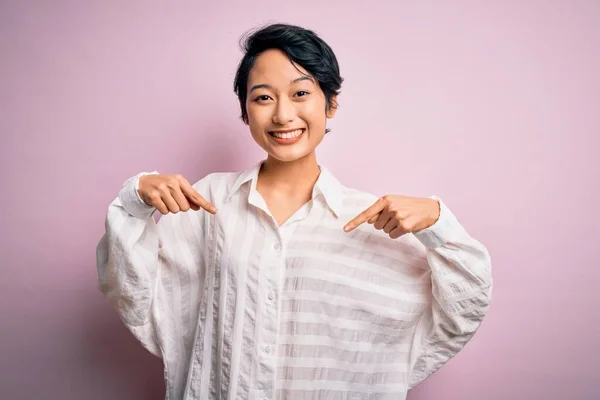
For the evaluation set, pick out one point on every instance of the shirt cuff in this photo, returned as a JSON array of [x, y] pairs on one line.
[[131, 200], [445, 230]]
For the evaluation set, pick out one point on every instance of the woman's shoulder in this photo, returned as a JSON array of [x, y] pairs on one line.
[[217, 178], [353, 198], [216, 184]]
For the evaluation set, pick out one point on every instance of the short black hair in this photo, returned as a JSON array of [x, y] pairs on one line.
[[302, 46]]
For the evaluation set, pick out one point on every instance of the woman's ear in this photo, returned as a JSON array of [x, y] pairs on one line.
[[332, 107]]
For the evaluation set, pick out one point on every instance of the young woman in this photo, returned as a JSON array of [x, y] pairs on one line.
[[280, 282]]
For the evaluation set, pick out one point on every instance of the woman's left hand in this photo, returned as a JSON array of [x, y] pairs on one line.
[[398, 215]]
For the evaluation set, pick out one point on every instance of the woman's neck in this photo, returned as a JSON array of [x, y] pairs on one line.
[[295, 178]]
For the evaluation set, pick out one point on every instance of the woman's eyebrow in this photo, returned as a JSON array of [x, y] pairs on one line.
[[265, 86], [260, 86], [303, 78]]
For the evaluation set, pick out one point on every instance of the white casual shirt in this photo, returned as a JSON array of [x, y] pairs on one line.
[[239, 308]]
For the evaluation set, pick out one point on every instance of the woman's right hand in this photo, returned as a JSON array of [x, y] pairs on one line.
[[171, 194]]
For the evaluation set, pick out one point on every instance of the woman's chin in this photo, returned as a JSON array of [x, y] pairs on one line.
[[289, 154]]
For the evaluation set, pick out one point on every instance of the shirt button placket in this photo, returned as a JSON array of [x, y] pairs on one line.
[[265, 386]]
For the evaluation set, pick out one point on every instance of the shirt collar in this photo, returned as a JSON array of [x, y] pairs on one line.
[[331, 189], [327, 185], [245, 176]]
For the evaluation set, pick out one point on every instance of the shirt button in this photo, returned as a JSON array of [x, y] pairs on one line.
[[267, 349], [277, 246], [271, 296]]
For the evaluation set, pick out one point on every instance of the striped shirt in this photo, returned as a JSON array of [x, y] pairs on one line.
[[238, 307]]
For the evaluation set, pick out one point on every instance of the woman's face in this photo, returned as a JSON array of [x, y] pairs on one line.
[[286, 108]]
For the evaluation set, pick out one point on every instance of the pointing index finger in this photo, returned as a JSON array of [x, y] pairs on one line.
[[364, 216], [194, 196]]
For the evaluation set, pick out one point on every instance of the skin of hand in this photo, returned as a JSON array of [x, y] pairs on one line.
[[398, 215], [172, 194]]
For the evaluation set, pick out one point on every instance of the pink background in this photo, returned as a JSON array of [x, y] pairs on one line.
[[494, 106]]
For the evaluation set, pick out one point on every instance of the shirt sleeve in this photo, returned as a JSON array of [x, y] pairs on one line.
[[133, 252], [461, 285]]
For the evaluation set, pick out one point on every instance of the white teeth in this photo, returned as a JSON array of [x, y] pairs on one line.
[[288, 135]]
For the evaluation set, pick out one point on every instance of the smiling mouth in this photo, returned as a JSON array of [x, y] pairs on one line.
[[287, 134]]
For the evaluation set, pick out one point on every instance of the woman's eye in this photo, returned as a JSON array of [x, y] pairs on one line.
[[301, 93], [264, 97]]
